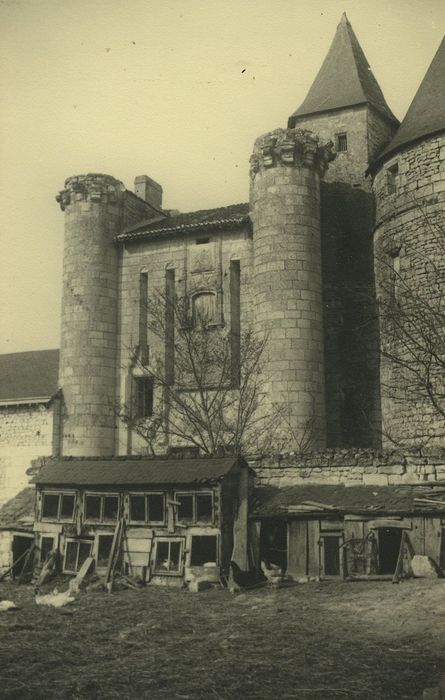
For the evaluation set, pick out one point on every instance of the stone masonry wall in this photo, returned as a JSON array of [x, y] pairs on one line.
[[26, 432], [197, 265], [410, 279], [351, 467]]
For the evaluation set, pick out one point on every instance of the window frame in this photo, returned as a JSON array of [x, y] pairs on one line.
[[341, 138], [163, 572], [214, 322], [217, 547], [102, 496], [44, 536], [147, 521], [195, 521], [58, 518], [392, 178], [144, 402], [78, 542]]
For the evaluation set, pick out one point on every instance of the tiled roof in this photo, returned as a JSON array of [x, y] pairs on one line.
[[233, 216], [18, 513], [344, 79], [345, 499], [28, 375], [121, 471], [426, 114]]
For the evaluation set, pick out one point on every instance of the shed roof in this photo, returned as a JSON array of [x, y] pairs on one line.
[[18, 513], [29, 376], [232, 216], [343, 499], [426, 114], [344, 79], [121, 471]]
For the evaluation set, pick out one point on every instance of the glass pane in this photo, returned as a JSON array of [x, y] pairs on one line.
[[103, 550], [92, 510], [185, 510], [71, 551], [111, 507], [46, 546], [204, 510], [162, 558], [137, 508], [67, 508], [156, 507], [84, 552], [175, 551], [50, 508], [203, 550]]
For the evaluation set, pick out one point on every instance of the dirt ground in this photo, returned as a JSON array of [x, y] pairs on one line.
[[323, 640]]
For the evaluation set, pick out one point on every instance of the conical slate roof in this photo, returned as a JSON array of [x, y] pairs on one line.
[[344, 79], [426, 114]]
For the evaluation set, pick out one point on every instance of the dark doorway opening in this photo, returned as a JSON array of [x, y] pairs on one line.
[[273, 543], [331, 555], [20, 545], [389, 547]]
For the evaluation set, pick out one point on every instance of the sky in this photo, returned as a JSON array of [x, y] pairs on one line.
[[174, 89]]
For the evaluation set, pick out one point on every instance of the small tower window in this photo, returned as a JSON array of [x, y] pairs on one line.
[[341, 142], [391, 178], [204, 309], [144, 397]]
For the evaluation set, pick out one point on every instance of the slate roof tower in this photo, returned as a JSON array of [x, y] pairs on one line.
[[409, 185]]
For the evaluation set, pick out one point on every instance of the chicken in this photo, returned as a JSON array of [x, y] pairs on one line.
[[243, 579], [273, 573], [7, 605]]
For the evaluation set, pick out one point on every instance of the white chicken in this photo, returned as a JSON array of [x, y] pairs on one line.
[[273, 573], [7, 605]]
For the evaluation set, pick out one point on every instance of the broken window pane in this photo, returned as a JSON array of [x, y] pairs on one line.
[[50, 507], [71, 551], [203, 550], [162, 556], [67, 507], [137, 508], [175, 551], [185, 510], [204, 508], [92, 508], [46, 545], [111, 507], [104, 549], [84, 552], [155, 507]]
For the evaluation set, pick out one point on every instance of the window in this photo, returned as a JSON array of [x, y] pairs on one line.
[[204, 550], [101, 508], [46, 546], [395, 274], [341, 142], [143, 325], [195, 507], [147, 508], [391, 178], [169, 556], [144, 396], [58, 506], [76, 551], [203, 309], [104, 543]]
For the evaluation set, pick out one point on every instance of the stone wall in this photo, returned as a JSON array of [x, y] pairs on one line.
[[351, 467], [410, 278], [26, 432]]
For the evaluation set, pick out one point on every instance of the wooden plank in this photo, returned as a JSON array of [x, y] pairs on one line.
[[433, 538], [313, 538], [297, 548], [331, 525], [389, 522], [417, 535], [131, 545], [76, 582], [254, 545], [354, 529], [138, 558], [139, 533]]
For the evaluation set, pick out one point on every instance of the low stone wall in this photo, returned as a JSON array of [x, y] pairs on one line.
[[352, 467]]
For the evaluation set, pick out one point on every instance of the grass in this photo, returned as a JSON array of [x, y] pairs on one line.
[[320, 641]]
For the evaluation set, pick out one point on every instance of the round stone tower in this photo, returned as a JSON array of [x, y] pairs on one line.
[[285, 206], [409, 185], [93, 216]]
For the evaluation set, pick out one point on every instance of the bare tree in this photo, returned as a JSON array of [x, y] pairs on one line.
[[411, 304], [209, 385]]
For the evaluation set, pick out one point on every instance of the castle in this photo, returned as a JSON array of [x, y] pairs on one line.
[[338, 258]]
